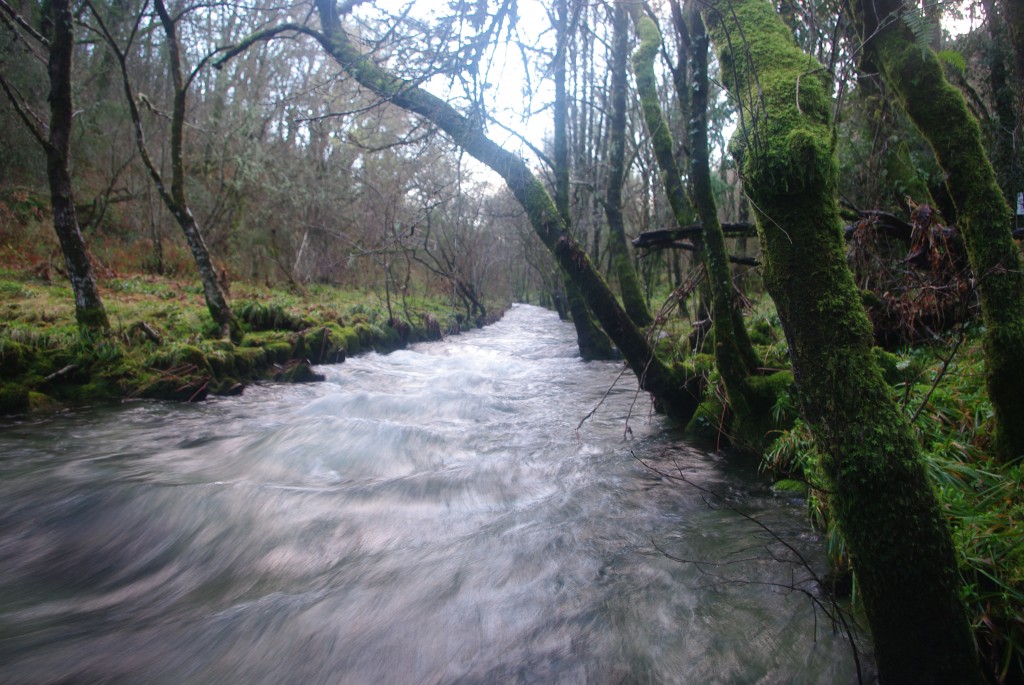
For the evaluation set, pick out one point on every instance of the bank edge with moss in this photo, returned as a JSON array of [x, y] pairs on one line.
[[153, 352]]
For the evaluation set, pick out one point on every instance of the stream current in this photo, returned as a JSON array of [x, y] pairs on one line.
[[436, 515]]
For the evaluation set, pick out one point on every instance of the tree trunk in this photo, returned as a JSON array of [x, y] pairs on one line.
[[1013, 14], [734, 354], [592, 341], [940, 113], [629, 283], [751, 397], [730, 330], [216, 301], [89, 311], [880, 494], [668, 384]]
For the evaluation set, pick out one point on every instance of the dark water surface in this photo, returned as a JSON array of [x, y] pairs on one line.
[[432, 516]]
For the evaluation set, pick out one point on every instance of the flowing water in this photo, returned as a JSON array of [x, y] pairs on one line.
[[432, 516]]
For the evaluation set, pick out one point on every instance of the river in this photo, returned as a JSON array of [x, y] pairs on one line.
[[437, 515]]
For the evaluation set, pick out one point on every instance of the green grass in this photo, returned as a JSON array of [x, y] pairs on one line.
[[163, 344], [943, 392]]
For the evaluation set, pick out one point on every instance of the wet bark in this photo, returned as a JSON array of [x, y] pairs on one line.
[[940, 113], [730, 330], [592, 341], [734, 354], [89, 311], [177, 200], [880, 494], [629, 283], [668, 384]]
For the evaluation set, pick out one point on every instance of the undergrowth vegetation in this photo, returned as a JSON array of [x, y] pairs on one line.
[[944, 394]]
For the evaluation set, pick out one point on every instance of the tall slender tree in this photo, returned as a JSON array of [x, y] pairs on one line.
[[622, 265], [56, 142], [592, 341], [174, 197]]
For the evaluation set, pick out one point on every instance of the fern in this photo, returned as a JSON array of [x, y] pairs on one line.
[[954, 59]]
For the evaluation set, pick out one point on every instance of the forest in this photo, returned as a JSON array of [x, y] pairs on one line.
[[796, 223]]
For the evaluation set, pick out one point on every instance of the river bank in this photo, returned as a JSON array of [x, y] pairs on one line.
[[162, 344]]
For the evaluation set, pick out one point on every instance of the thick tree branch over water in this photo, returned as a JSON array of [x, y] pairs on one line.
[[668, 384]]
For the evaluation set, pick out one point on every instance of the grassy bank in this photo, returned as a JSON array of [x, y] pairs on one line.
[[943, 393], [162, 344]]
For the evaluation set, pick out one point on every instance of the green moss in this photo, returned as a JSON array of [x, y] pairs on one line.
[[15, 358], [248, 359], [14, 399], [708, 420], [350, 340], [896, 369], [41, 403], [222, 362], [324, 345], [178, 355], [790, 486], [754, 429], [260, 316]]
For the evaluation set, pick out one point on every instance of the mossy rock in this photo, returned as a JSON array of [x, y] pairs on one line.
[[15, 358], [277, 346], [14, 399], [791, 487], [41, 403], [350, 336], [180, 355], [279, 351], [369, 335], [324, 344], [297, 372]]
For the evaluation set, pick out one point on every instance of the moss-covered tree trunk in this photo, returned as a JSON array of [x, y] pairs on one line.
[[89, 311], [940, 113], [668, 384], [734, 354], [880, 494], [629, 283]]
